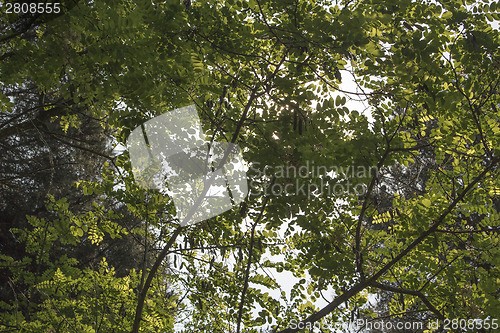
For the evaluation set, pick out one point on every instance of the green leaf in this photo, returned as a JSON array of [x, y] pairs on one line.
[[426, 202]]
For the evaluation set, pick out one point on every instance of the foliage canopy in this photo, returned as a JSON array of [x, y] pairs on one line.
[[84, 249]]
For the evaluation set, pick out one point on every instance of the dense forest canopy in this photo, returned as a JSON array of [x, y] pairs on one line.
[[387, 214]]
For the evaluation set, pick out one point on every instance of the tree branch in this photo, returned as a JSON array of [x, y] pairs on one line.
[[149, 279], [417, 293], [166, 250], [247, 272], [358, 287]]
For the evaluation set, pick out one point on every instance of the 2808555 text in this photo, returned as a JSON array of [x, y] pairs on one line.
[[33, 8]]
